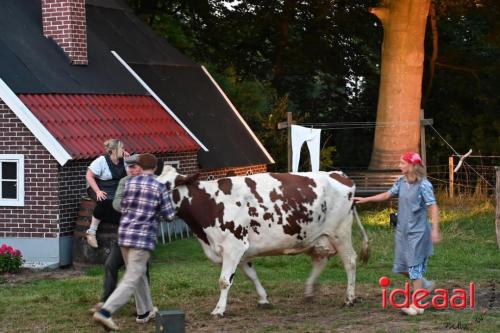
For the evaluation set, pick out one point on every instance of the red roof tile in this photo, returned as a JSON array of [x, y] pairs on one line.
[[81, 123]]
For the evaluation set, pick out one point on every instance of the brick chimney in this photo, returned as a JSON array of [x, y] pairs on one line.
[[64, 21]]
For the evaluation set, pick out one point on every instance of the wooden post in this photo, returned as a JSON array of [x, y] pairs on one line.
[[450, 175], [422, 138], [424, 122], [497, 220], [289, 145]]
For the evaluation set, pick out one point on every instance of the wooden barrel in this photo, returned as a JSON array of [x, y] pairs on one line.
[[107, 233]]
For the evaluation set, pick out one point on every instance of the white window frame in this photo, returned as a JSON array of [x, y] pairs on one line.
[[173, 164], [19, 159]]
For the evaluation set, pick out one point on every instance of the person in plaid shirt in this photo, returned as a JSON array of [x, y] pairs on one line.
[[144, 199]]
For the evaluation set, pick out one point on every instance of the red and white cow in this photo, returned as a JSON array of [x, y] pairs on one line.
[[238, 218]]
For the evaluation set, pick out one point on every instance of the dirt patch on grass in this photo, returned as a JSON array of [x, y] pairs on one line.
[[27, 275], [290, 312]]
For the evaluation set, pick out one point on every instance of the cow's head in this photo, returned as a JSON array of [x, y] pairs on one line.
[[170, 175]]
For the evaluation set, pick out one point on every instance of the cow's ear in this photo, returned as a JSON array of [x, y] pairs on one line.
[[183, 180]]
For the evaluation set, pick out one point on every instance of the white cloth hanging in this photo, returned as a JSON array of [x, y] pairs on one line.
[[312, 137]]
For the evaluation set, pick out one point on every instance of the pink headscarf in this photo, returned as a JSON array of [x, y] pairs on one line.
[[412, 158]]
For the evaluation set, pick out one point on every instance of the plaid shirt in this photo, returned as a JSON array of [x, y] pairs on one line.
[[144, 198]]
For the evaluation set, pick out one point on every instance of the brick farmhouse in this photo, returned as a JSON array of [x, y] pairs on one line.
[[74, 73]]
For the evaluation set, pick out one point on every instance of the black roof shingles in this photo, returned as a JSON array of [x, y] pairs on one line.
[[31, 63]]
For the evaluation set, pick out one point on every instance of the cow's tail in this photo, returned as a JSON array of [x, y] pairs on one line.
[[364, 255]]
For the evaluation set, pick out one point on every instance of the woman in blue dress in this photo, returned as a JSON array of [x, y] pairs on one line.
[[414, 237]]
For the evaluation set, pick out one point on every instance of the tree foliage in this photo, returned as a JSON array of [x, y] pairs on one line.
[[464, 102], [320, 60]]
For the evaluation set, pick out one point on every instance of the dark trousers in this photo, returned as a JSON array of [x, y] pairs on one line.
[[113, 263]]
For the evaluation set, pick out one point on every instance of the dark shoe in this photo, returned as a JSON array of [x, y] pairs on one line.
[[144, 318], [106, 322]]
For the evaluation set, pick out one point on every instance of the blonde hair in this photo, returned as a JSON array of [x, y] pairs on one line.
[[416, 173], [112, 145]]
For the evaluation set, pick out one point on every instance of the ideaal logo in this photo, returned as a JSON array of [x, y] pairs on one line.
[[441, 299]]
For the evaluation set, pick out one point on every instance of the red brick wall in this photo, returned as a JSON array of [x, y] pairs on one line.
[[38, 216], [188, 161], [233, 171], [72, 185], [65, 22]]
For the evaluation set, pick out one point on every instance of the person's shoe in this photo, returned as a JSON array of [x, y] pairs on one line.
[[91, 239], [430, 285], [146, 317], [104, 321], [96, 307], [412, 310]]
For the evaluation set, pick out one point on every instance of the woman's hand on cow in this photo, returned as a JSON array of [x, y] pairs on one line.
[[360, 200], [101, 195]]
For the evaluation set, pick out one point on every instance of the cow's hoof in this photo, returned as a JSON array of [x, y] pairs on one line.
[[217, 315], [308, 299], [265, 306], [349, 304]]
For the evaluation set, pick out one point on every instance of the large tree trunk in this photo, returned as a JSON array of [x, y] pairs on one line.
[[398, 113]]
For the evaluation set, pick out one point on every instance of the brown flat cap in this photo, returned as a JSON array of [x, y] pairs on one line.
[[147, 161]]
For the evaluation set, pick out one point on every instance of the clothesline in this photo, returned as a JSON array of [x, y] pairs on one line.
[[357, 124], [369, 125]]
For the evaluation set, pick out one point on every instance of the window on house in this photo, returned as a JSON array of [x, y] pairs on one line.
[[173, 164], [11, 180]]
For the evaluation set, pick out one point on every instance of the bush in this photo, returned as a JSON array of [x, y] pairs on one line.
[[11, 260]]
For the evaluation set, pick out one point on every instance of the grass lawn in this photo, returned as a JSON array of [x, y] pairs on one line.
[[183, 278]]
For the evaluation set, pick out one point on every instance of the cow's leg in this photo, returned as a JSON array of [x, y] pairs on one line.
[[319, 264], [343, 243], [251, 274], [231, 255], [211, 255]]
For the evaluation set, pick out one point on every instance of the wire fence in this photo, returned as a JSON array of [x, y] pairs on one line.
[[477, 176], [174, 230]]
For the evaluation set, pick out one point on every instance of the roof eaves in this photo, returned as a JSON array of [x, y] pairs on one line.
[[33, 124], [228, 101]]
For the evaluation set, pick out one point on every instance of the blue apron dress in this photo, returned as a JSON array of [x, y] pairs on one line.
[[413, 232]]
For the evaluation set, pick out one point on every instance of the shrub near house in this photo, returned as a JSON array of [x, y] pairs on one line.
[[11, 259]]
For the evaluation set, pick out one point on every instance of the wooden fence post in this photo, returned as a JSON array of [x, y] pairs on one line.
[[450, 176], [497, 219], [289, 122]]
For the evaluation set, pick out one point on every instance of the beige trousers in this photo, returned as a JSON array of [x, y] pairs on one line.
[[133, 282]]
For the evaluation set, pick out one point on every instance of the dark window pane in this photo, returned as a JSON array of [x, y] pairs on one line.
[[9, 190], [9, 170]]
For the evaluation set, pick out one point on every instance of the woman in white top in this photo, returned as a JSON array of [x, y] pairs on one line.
[[103, 176]]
